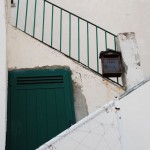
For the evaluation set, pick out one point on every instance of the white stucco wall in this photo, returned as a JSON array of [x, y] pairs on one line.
[[133, 73], [3, 76], [26, 52], [131, 125], [136, 121], [98, 131], [117, 16]]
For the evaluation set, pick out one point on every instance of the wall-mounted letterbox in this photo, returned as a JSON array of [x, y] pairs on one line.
[[111, 63]]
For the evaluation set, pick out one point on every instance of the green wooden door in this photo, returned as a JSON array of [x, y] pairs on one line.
[[40, 106]]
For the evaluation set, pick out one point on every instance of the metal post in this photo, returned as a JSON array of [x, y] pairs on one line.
[[88, 44], [69, 34], [26, 16], [60, 28], [43, 21], [34, 18], [52, 25], [79, 39], [97, 49]]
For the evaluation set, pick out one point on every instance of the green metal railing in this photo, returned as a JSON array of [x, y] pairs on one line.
[[50, 9]]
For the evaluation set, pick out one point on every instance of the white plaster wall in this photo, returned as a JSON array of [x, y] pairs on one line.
[[132, 125], [135, 110], [117, 16], [98, 131], [26, 52], [133, 73], [3, 76]]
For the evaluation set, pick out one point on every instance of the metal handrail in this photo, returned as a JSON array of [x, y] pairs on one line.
[[79, 19]]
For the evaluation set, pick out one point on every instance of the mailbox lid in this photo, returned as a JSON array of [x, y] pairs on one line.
[[109, 53]]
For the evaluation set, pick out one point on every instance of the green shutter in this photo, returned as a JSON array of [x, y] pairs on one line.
[[40, 106]]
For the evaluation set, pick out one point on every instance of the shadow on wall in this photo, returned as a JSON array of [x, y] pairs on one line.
[[80, 105]]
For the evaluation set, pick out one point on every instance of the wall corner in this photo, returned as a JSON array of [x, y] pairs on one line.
[[133, 74]]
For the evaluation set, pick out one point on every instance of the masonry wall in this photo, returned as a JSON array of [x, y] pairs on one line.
[[90, 90], [116, 16], [136, 122]]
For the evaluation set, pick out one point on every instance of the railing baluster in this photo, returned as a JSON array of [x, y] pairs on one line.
[[43, 21], [88, 44], [117, 80], [60, 28], [34, 18], [26, 16], [79, 17], [115, 50], [79, 39], [17, 13], [106, 40], [97, 49], [69, 34], [106, 44], [115, 43], [52, 25]]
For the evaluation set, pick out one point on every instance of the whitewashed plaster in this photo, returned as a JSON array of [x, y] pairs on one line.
[[131, 125], [133, 73], [136, 121], [26, 52], [99, 130], [117, 16], [3, 76]]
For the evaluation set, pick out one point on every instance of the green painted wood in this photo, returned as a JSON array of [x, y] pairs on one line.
[[21, 119], [32, 119], [8, 138], [38, 112], [13, 114], [62, 122], [70, 106], [41, 116], [51, 113]]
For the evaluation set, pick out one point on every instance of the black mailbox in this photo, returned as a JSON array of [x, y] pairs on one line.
[[111, 63]]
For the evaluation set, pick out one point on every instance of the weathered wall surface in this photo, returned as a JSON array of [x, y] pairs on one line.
[[133, 73], [118, 16], [90, 90], [122, 125], [136, 121], [99, 130]]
